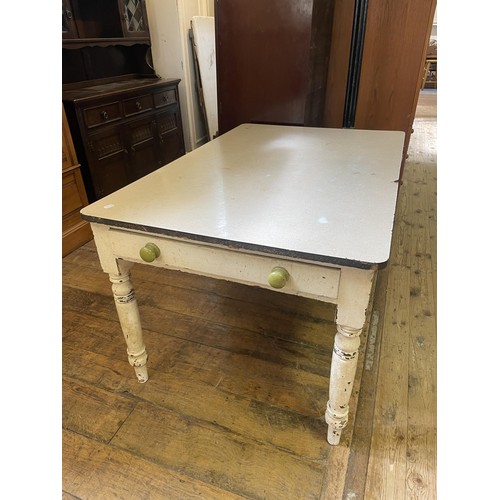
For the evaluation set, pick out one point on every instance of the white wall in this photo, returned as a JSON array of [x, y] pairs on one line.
[[169, 22]]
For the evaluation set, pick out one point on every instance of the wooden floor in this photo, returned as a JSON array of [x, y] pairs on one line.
[[234, 407]]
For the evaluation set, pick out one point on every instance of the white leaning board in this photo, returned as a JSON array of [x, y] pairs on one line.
[[204, 39]]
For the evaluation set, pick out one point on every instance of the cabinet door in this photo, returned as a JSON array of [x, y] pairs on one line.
[[144, 150], [134, 18], [68, 21], [169, 129], [109, 162]]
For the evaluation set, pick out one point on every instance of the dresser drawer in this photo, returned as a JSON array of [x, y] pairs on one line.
[[307, 279], [101, 115], [139, 104], [165, 98]]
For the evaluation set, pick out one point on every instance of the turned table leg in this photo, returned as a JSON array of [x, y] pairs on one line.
[[124, 295], [353, 300], [343, 370], [128, 314]]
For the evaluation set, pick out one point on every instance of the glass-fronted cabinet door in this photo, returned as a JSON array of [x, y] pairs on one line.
[[134, 18], [69, 29]]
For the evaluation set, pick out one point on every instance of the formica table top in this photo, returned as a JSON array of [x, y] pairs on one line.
[[319, 194]]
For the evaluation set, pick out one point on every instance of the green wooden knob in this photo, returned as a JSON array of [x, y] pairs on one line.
[[278, 277], [149, 252]]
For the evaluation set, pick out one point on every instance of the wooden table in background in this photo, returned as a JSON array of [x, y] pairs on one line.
[[305, 211]]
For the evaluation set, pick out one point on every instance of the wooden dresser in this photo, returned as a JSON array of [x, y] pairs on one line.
[[75, 231], [124, 130], [124, 119]]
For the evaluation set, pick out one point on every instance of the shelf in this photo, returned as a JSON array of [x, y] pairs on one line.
[[79, 43]]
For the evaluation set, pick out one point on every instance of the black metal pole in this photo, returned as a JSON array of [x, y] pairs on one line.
[[355, 58]]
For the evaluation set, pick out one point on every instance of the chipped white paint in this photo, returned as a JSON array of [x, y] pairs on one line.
[[238, 224], [306, 279], [128, 314], [354, 296]]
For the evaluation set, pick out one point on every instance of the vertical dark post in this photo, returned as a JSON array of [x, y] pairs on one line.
[[355, 58]]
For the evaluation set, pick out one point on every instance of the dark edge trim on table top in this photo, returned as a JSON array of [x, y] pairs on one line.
[[236, 244]]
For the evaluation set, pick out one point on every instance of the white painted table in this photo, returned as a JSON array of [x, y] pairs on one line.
[[306, 211]]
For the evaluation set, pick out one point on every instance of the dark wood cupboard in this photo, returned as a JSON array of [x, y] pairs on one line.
[[125, 130], [125, 120]]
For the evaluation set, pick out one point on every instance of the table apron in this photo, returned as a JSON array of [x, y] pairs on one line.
[[311, 280]]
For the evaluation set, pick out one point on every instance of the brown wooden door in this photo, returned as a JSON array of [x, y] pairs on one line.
[[396, 42], [272, 60]]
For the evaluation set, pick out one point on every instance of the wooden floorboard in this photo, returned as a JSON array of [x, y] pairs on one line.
[[354, 483], [234, 407], [387, 464], [402, 461]]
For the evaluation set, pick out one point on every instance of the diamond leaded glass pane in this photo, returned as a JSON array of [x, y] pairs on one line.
[[135, 15]]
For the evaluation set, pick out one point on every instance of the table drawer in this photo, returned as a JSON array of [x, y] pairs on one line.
[[100, 115], [307, 279], [165, 98], [138, 104]]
